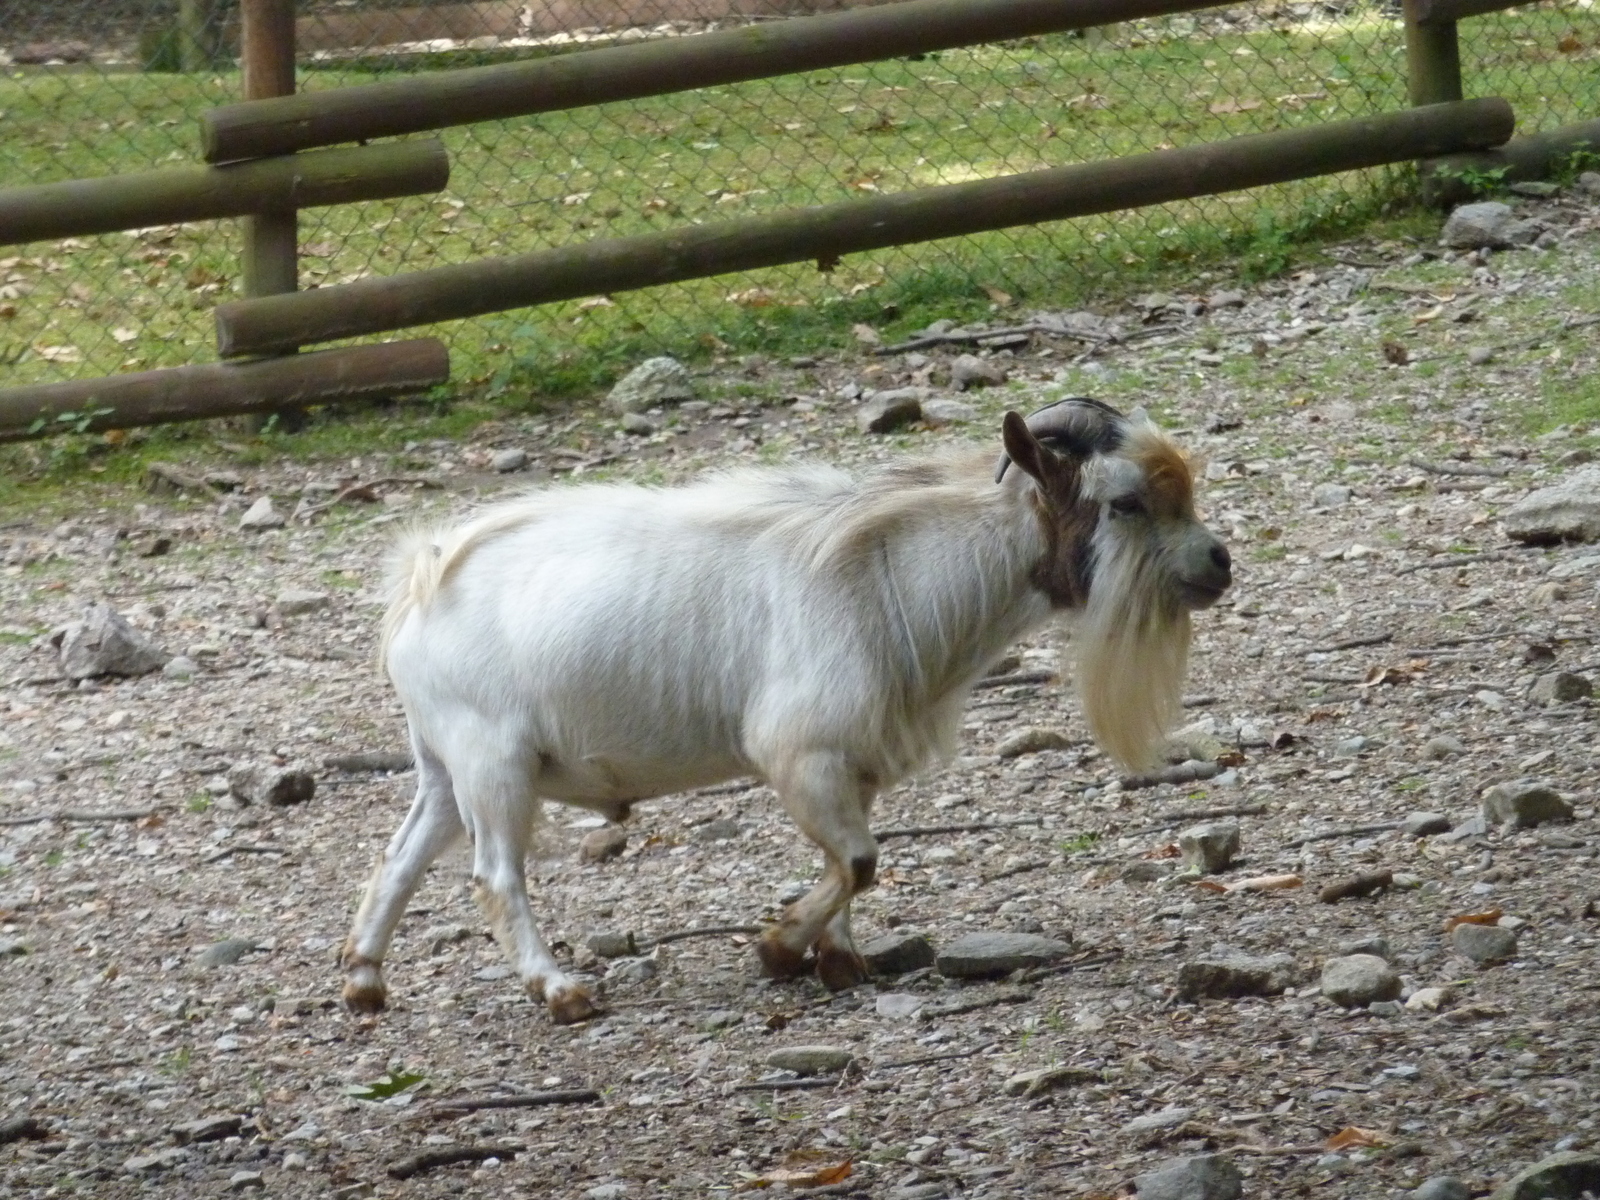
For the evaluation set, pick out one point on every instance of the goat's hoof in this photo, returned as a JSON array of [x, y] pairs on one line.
[[779, 961], [569, 1006], [365, 997], [840, 969]]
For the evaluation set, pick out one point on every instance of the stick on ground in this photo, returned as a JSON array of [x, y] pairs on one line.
[[1363, 884], [460, 1105], [1328, 835], [137, 814], [447, 1156], [968, 827]]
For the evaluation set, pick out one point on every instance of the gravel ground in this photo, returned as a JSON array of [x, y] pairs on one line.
[[1339, 688]]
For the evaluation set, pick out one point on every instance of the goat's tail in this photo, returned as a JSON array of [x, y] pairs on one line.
[[414, 572]]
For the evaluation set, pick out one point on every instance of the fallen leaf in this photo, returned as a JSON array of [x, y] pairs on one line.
[[1396, 353], [1432, 314], [1353, 1136], [575, 199], [999, 296], [1231, 758], [1569, 44], [1089, 100], [596, 302], [124, 335], [1491, 917], [61, 354], [803, 1177], [863, 185], [1223, 108], [7, 311], [1381, 676], [1266, 883], [320, 249], [866, 335], [1170, 850], [153, 820]]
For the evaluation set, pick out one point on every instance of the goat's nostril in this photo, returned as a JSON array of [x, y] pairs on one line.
[[1220, 557]]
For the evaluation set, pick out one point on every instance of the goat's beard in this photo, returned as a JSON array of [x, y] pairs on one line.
[[1131, 646]]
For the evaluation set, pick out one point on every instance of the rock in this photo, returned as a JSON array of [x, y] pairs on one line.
[[942, 411], [512, 459], [1525, 232], [296, 602], [898, 1005], [261, 515], [1483, 944], [439, 938], [1146, 870], [1145, 1124], [598, 845], [207, 1129], [1374, 944], [159, 1160], [1442, 747], [898, 952], [1442, 1187], [1330, 495], [241, 1181], [1358, 979], [1428, 999], [1220, 977], [1589, 182], [721, 1018], [1480, 356], [611, 944], [606, 1191], [1538, 188], [1200, 1177], [59, 51], [1352, 747], [1568, 511], [1040, 1080], [1478, 226], [1567, 1176], [103, 643], [722, 829], [1031, 739], [810, 1060], [970, 371], [1560, 687], [655, 381], [1424, 824], [268, 783], [633, 970], [882, 412], [1225, 299], [1211, 847], [638, 424], [226, 952], [1524, 803], [181, 667], [985, 955], [12, 946], [370, 760]]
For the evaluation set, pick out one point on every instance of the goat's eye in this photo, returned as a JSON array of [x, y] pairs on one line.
[[1127, 506]]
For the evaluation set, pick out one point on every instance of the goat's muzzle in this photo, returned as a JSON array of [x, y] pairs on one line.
[[1205, 573]]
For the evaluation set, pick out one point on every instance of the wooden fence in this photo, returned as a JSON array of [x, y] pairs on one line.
[[270, 143]]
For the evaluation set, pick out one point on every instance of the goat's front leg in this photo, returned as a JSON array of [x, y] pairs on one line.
[[502, 826], [829, 799], [430, 828]]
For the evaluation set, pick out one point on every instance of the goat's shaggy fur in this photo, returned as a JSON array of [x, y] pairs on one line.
[[602, 644]]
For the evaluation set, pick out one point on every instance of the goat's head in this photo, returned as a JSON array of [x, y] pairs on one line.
[[1126, 553]]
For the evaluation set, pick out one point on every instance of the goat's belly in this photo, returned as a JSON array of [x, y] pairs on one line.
[[605, 783]]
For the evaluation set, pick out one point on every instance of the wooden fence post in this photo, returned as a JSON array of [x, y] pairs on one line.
[[1433, 55], [271, 263]]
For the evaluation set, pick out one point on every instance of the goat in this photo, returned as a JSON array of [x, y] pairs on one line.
[[598, 645]]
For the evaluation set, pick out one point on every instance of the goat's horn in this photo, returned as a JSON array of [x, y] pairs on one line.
[[1079, 425]]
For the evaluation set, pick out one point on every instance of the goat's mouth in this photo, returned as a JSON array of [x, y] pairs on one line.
[[1195, 594]]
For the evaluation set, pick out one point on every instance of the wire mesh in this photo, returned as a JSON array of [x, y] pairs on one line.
[[95, 88]]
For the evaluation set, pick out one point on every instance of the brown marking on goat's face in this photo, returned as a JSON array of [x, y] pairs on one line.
[[1169, 481], [1068, 521]]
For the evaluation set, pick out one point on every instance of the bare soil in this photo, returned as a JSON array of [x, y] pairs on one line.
[[113, 1032]]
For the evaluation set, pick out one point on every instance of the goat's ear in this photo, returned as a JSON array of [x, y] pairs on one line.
[[1023, 448]]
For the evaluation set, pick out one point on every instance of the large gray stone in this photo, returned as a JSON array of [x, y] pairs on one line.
[[268, 783], [883, 412], [1442, 1187], [1220, 977], [1211, 847], [297, 601], [1524, 803], [944, 411], [810, 1060], [1568, 1176], [1483, 944], [970, 371], [1566, 511], [1560, 687], [1031, 739], [1485, 225], [226, 952], [261, 515], [898, 952], [1424, 824], [1358, 980], [655, 381], [1199, 1177], [600, 844], [985, 955], [103, 643]]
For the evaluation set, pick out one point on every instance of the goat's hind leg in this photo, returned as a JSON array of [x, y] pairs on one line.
[[430, 828], [829, 800]]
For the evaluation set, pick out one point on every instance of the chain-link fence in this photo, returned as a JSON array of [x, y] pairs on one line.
[[96, 87]]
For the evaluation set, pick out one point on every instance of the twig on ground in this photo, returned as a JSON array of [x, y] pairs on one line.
[[791, 1085], [1198, 814], [728, 789], [366, 492], [956, 1007], [370, 760], [1037, 864], [906, 831], [461, 1105], [447, 1156], [1076, 964], [131, 814], [1458, 468], [1466, 639], [682, 935], [927, 1059], [978, 336], [1049, 1080], [1315, 678], [1015, 677], [1363, 884], [1198, 701], [1184, 772], [1355, 643], [244, 848], [1362, 263], [1459, 560], [1328, 835]]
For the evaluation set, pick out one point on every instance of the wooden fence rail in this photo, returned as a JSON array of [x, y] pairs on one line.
[[105, 205], [490, 285]]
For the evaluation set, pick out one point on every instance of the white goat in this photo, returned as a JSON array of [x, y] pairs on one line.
[[600, 645]]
